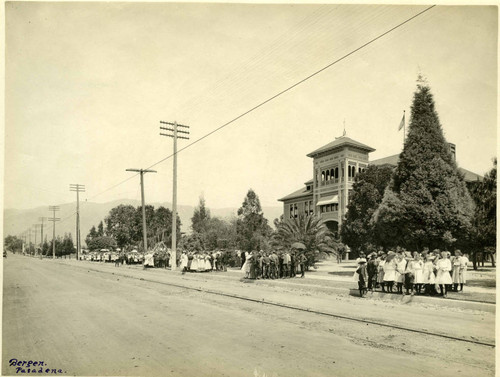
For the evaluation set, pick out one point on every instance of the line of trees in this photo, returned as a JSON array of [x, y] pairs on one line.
[[122, 228], [64, 246]]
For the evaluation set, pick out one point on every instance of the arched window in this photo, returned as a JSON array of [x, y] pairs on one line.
[[336, 172], [322, 176], [332, 173], [328, 175]]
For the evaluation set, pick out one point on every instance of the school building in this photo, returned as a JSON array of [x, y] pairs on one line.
[[334, 167]]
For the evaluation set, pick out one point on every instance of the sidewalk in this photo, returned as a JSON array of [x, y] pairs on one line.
[[330, 275], [332, 279]]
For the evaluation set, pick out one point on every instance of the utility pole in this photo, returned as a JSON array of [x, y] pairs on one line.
[[29, 245], [54, 219], [36, 231], [78, 188], [144, 233], [42, 219], [174, 134]]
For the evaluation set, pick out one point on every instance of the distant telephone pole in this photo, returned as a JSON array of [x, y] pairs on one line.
[[77, 188], [54, 219], [42, 219], [36, 231], [174, 134], [144, 232], [29, 245]]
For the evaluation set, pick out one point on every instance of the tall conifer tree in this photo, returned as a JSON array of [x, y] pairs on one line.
[[428, 199]]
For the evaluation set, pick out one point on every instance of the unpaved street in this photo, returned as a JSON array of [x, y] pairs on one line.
[[90, 319]]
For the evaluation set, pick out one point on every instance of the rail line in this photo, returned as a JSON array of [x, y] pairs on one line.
[[296, 308]]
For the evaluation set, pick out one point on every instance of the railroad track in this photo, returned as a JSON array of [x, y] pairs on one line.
[[292, 307]]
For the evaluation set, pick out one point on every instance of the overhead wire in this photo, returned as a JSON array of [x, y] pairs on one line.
[[293, 86], [243, 75]]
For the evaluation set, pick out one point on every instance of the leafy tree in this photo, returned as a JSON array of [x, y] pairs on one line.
[[201, 217], [67, 246], [161, 226], [46, 248], [309, 230], [252, 228], [100, 229], [92, 234], [102, 242], [278, 221], [64, 246], [368, 191], [192, 242], [220, 234], [13, 244], [121, 224], [427, 202], [484, 223]]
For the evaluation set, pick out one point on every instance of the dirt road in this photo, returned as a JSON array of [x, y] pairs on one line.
[[90, 319]]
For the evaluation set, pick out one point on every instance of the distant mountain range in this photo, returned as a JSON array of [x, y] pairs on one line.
[[17, 221]]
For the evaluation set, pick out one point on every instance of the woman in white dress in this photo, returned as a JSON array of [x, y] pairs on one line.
[[208, 263], [400, 271], [246, 265], [184, 262], [390, 272], [443, 277], [194, 262], [201, 263], [455, 269], [428, 277], [462, 277], [416, 266]]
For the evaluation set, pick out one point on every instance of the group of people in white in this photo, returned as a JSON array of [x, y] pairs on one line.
[[202, 261], [410, 273]]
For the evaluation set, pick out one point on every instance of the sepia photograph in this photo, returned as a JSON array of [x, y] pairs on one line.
[[249, 189]]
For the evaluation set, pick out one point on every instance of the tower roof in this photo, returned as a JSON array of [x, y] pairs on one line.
[[341, 142]]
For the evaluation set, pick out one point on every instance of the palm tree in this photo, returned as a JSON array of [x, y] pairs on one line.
[[309, 230]]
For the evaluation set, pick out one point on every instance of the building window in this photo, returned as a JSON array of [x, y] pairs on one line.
[[327, 175], [322, 176], [311, 210], [295, 210]]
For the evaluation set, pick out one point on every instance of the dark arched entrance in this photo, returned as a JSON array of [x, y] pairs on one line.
[[333, 226]]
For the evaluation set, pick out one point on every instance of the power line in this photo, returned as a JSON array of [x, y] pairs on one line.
[[279, 93], [296, 84]]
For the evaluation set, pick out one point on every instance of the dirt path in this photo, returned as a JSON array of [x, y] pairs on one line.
[[96, 323]]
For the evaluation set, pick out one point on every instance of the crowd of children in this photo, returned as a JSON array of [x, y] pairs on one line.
[[420, 273]]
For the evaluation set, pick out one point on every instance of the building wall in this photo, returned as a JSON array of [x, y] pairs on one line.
[[334, 174], [294, 207]]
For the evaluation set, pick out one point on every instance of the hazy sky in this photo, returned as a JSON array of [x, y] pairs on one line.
[[88, 83]]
